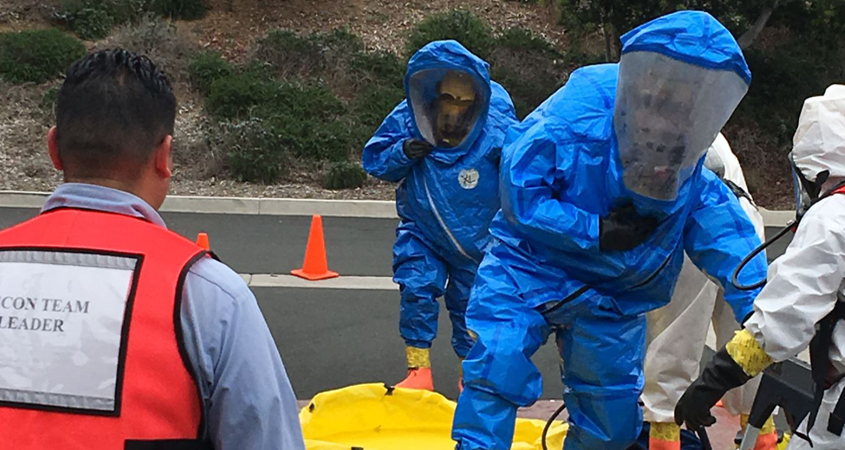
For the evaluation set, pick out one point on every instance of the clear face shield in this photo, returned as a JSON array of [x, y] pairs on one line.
[[446, 105], [806, 191], [666, 116]]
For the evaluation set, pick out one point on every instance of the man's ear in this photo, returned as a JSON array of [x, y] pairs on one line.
[[162, 157], [53, 148]]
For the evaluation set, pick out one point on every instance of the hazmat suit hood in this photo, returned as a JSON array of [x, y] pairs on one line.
[[681, 77], [818, 152], [723, 162], [451, 62]]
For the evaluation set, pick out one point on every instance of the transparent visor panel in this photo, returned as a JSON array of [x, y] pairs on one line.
[[667, 114], [446, 104]]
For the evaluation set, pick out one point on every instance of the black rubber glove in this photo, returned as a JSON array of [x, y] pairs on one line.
[[721, 375], [416, 149], [624, 228]]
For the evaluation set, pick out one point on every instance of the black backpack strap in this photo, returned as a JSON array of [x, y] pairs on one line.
[[739, 192], [837, 417], [820, 363]]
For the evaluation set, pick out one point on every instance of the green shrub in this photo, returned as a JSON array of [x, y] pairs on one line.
[[293, 55], [235, 96], [329, 141], [206, 68], [317, 140], [93, 24], [89, 19], [255, 153], [338, 42], [289, 53], [37, 55], [94, 19], [306, 119], [180, 9], [380, 67], [124, 11], [525, 40], [576, 57], [462, 26], [372, 106], [344, 175], [529, 67], [243, 95], [337, 59]]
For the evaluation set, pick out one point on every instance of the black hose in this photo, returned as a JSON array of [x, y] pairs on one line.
[[791, 226], [705, 439], [549, 424], [735, 280]]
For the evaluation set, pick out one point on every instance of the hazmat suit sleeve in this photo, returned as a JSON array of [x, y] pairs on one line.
[[535, 171], [383, 155], [717, 236], [803, 283]]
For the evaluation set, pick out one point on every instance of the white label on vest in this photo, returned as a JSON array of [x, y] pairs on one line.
[[62, 328]]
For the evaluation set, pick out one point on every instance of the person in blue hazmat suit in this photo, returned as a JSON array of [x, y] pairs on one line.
[[603, 189], [443, 144]]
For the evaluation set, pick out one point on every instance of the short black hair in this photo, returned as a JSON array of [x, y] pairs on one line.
[[113, 110]]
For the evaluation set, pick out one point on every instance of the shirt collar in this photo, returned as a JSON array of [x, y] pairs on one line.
[[101, 198]]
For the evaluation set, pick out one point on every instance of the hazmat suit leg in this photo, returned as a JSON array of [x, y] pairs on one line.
[[421, 276], [461, 278], [499, 375], [676, 339], [603, 353]]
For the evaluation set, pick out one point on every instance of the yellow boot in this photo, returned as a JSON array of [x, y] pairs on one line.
[[664, 436], [419, 370], [768, 439], [785, 442]]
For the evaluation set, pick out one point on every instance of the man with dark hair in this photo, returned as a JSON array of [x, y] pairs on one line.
[[116, 333]]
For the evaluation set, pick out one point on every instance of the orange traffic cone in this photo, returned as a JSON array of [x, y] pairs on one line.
[[315, 267], [202, 241]]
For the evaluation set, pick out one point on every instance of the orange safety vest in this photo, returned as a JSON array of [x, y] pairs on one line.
[[156, 401]]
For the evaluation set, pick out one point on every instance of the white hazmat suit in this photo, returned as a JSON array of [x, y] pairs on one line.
[[804, 286], [677, 331], [805, 283]]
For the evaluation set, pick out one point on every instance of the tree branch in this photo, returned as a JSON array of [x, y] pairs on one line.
[[747, 39]]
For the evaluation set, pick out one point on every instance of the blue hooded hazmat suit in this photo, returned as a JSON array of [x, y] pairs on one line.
[[445, 200], [560, 174]]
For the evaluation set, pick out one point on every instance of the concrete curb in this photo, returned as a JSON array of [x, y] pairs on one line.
[[376, 209], [362, 283], [238, 205], [776, 218]]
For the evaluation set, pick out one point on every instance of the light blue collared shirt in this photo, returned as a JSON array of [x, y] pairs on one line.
[[247, 397]]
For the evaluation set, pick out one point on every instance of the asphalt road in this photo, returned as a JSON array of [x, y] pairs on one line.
[[276, 244]]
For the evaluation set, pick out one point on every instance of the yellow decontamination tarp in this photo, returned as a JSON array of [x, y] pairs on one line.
[[374, 417]]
